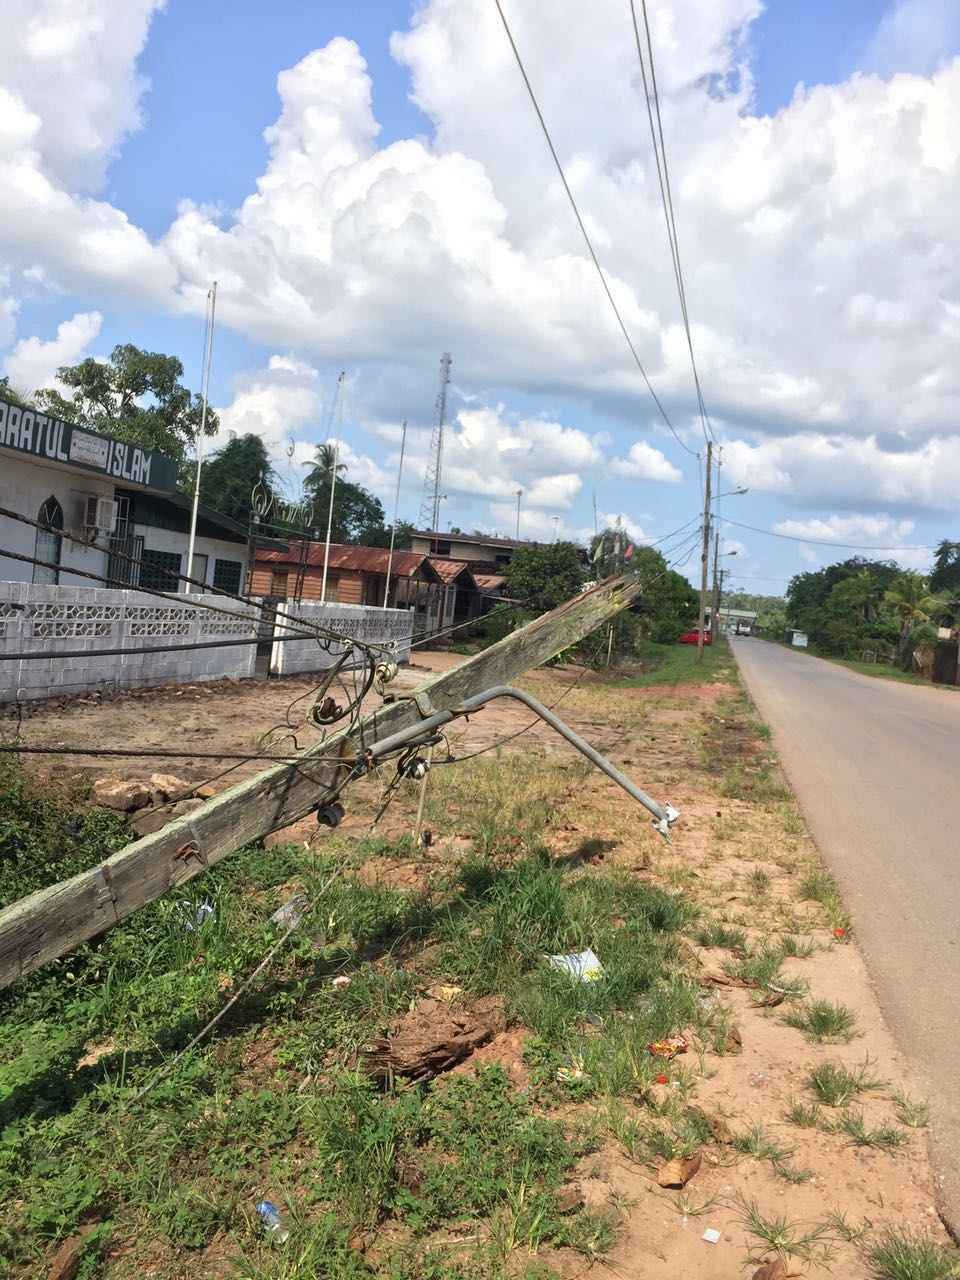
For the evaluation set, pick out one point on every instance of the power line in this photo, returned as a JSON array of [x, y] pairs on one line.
[[825, 542], [580, 223], [666, 196]]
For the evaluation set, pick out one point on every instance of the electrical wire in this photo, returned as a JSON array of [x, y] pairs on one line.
[[308, 632], [586, 236], [666, 197], [825, 542]]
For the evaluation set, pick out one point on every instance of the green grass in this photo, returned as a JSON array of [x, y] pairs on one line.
[[678, 664], [911, 1111], [754, 1142], [823, 1021], [836, 1085], [885, 1137], [909, 1255], [272, 1102]]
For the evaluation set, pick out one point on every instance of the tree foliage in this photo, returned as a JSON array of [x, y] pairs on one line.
[[135, 396], [857, 603], [945, 576], [228, 478], [545, 576]]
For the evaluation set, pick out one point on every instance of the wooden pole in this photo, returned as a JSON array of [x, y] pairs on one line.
[[705, 553], [58, 919]]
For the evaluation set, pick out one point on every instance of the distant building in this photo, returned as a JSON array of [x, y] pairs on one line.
[[441, 593], [740, 622], [482, 554]]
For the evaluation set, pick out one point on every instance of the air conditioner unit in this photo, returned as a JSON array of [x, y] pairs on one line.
[[99, 515]]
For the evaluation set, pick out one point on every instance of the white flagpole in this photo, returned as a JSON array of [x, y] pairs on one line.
[[208, 354], [333, 485], [396, 509]]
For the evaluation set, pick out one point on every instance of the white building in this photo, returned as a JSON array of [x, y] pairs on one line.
[[122, 501]]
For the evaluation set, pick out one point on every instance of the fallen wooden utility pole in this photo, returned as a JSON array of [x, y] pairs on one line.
[[58, 919]]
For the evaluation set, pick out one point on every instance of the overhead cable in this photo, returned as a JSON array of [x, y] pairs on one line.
[[826, 542], [586, 236], [666, 195]]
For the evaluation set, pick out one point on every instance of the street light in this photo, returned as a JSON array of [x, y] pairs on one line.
[[519, 496]]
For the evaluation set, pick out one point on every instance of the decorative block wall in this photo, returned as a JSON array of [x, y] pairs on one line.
[[392, 629], [51, 620]]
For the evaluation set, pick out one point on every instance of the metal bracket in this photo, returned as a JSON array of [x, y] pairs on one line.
[[104, 890], [420, 699], [663, 816]]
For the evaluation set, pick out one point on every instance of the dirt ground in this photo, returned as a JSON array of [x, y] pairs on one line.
[[730, 854]]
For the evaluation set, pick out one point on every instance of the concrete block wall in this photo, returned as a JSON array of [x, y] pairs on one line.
[[49, 620], [390, 629]]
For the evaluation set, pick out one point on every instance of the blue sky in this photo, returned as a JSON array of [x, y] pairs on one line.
[[816, 229]]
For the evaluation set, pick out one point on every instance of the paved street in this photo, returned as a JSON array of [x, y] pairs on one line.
[[874, 766]]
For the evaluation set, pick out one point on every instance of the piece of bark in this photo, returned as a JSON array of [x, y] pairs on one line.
[[714, 978], [720, 1131], [733, 1041], [776, 1270], [677, 1172], [66, 1261]]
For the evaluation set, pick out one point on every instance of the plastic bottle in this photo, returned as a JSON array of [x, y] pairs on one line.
[[272, 1221]]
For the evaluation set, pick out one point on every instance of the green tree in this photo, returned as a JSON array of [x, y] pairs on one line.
[[912, 602], [135, 396], [323, 467], [12, 396], [357, 515], [544, 577], [945, 576], [228, 478]]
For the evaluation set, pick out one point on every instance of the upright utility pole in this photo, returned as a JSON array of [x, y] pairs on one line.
[[714, 625], [705, 552], [430, 507]]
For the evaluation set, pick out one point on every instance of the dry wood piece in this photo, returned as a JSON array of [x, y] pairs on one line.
[[66, 1261], [733, 1042], [769, 1002], [714, 978], [776, 1270], [720, 1131], [431, 1039], [678, 1172]]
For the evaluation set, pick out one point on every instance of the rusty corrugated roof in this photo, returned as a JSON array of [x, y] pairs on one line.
[[488, 582], [450, 569], [358, 559]]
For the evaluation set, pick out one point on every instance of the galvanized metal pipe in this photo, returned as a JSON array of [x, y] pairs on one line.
[[426, 726]]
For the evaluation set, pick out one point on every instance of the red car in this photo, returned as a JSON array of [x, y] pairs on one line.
[[693, 637]]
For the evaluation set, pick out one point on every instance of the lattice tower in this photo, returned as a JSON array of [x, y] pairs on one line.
[[430, 506]]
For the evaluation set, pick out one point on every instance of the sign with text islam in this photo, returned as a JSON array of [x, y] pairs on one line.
[[38, 435]]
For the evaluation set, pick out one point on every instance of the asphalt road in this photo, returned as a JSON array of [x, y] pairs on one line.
[[874, 766]]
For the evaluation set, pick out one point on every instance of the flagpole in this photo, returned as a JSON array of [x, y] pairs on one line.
[[396, 508], [333, 485], [208, 354]]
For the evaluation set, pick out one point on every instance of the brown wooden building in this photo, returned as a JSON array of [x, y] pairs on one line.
[[442, 593]]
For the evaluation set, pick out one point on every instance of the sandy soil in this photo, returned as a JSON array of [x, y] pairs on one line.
[[736, 857]]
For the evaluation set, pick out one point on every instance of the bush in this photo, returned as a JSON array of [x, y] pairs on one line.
[[667, 630]]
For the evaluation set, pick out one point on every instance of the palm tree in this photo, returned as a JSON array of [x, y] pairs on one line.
[[912, 602], [861, 592], [323, 468]]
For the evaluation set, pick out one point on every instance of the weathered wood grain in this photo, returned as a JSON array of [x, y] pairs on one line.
[[58, 919]]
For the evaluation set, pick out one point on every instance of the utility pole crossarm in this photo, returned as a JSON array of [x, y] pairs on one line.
[[58, 919]]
